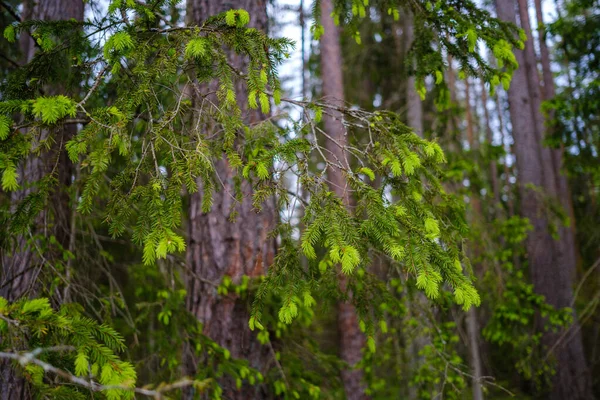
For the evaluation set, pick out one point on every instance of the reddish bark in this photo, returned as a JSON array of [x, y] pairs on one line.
[[413, 101], [351, 338], [21, 265], [550, 263], [218, 247]]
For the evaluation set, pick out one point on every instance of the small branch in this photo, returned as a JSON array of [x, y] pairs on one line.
[[31, 358], [12, 62], [10, 10], [94, 86]]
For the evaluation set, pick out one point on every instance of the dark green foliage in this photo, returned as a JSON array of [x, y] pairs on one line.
[[143, 145], [85, 347]]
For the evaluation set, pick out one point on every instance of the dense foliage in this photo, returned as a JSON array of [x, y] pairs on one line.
[[114, 122]]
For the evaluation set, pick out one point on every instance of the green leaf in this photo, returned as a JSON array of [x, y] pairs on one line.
[[263, 76], [410, 163], [9, 178], [197, 48], [120, 42], [383, 326], [262, 171], [10, 33], [371, 344], [318, 114], [471, 39], [51, 109], [264, 102], [396, 167], [368, 172], [432, 228], [288, 312], [350, 259], [149, 252], [252, 100], [457, 265], [309, 301], [35, 305], [317, 30], [238, 18], [81, 364], [439, 77]]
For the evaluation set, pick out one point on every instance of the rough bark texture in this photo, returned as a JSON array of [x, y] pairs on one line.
[[218, 247], [548, 92], [351, 338], [18, 275], [551, 266], [414, 113], [20, 265]]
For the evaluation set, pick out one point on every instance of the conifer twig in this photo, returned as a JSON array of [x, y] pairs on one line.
[[31, 358]]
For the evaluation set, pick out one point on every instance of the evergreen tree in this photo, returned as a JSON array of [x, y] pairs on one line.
[[45, 174], [551, 262], [193, 232], [231, 241], [336, 143]]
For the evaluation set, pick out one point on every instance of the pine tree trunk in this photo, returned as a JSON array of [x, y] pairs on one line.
[[551, 267], [508, 150], [469, 115], [351, 338], [489, 136], [413, 101], [476, 218], [218, 247], [548, 92], [21, 264], [473, 334]]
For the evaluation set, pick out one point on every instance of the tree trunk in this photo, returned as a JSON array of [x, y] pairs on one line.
[[21, 265], [508, 150], [473, 334], [476, 218], [548, 88], [414, 105], [489, 137], [551, 268], [218, 247], [351, 338], [469, 116], [548, 92]]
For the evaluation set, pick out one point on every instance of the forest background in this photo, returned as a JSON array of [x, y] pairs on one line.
[[315, 199]]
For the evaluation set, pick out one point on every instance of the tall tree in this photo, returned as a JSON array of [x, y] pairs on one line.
[[351, 338], [551, 267], [413, 101], [548, 91], [232, 239], [473, 330], [21, 263]]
